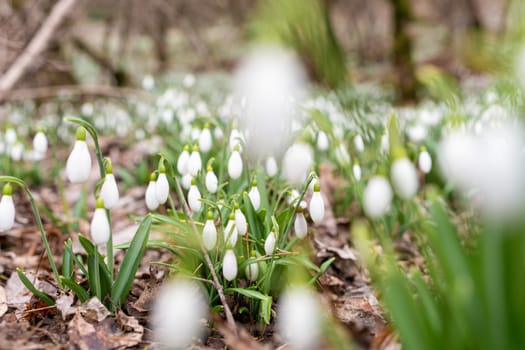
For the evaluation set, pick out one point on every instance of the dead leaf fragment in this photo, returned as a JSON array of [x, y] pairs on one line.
[[3, 301]]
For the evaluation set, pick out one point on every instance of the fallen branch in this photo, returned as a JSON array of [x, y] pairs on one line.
[[69, 91], [35, 47]]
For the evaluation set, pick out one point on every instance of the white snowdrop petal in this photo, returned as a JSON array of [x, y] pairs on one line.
[[230, 233], [211, 182], [209, 235], [7, 213], [182, 162], [40, 143], [100, 227], [109, 191], [162, 188], [78, 166], [425, 162], [299, 319], [252, 271], [205, 140], [255, 197], [186, 181], [235, 165], [341, 154], [377, 197], [358, 143], [271, 167], [297, 162], [229, 265], [240, 222], [269, 244], [317, 207], [177, 314], [356, 169], [300, 225], [404, 178], [194, 163], [194, 197], [322, 141], [151, 196]]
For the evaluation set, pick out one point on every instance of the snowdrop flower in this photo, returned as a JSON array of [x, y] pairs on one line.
[[404, 177], [252, 269], [271, 167], [209, 233], [322, 141], [300, 225], [417, 133], [341, 154], [385, 143], [40, 144], [297, 162], [100, 224], [189, 80], [236, 139], [78, 164], [205, 141], [186, 181], [230, 232], [240, 221], [162, 186], [268, 82], [10, 136], [151, 194], [7, 209], [269, 243], [109, 190], [229, 265], [148, 83], [292, 196], [299, 318], [358, 143], [194, 197], [235, 164], [177, 314], [17, 151], [356, 169], [377, 197], [182, 161], [317, 205], [194, 162], [211, 180], [424, 161], [254, 195], [218, 133]]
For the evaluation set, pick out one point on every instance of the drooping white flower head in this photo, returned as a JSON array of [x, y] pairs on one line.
[[17, 151], [404, 178], [341, 154], [205, 140], [271, 167], [240, 221], [255, 196], [99, 224], [269, 243], [300, 225], [209, 233], [148, 82], [252, 269], [230, 232], [40, 144], [186, 181], [212, 182], [194, 197], [10, 136], [317, 205], [417, 133], [162, 186], [377, 197], [7, 209], [269, 81], [151, 194], [194, 162], [109, 190], [358, 143], [297, 163], [322, 141], [182, 161], [177, 314], [236, 139], [229, 265], [356, 169], [78, 164], [235, 164], [424, 161], [299, 319]]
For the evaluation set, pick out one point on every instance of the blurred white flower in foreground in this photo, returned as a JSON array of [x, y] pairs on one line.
[[268, 81], [404, 178], [297, 162], [177, 314], [377, 197], [299, 319], [489, 165]]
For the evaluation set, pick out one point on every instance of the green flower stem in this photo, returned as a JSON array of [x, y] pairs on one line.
[[36, 213], [93, 132], [96, 275]]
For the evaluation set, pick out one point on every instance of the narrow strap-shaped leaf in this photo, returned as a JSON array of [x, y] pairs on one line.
[[45, 297], [67, 260], [76, 288], [90, 249], [131, 262]]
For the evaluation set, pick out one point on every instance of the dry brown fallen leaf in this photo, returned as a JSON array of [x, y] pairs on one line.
[[3, 301]]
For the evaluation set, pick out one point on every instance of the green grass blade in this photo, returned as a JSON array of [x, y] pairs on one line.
[[76, 288], [45, 297], [67, 259]]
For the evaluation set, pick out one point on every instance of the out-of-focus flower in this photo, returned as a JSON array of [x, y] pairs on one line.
[[269, 243], [424, 161], [297, 162], [271, 167], [356, 169], [205, 140], [300, 225], [377, 197], [404, 178], [358, 143], [40, 145], [78, 164], [99, 224], [317, 205], [299, 319], [177, 314], [7, 209], [322, 141], [148, 82], [341, 154], [235, 164], [229, 265]]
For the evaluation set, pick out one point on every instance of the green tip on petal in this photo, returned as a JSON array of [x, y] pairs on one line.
[[253, 253], [195, 148], [193, 181], [108, 165], [299, 209], [100, 203], [236, 148], [186, 148], [317, 187], [206, 125], [153, 177], [81, 134], [232, 216], [40, 129], [254, 183], [236, 205], [8, 190], [210, 215], [422, 149], [209, 168], [162, 168]]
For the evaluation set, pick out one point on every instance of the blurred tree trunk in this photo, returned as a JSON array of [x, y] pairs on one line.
[[402, 51]]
